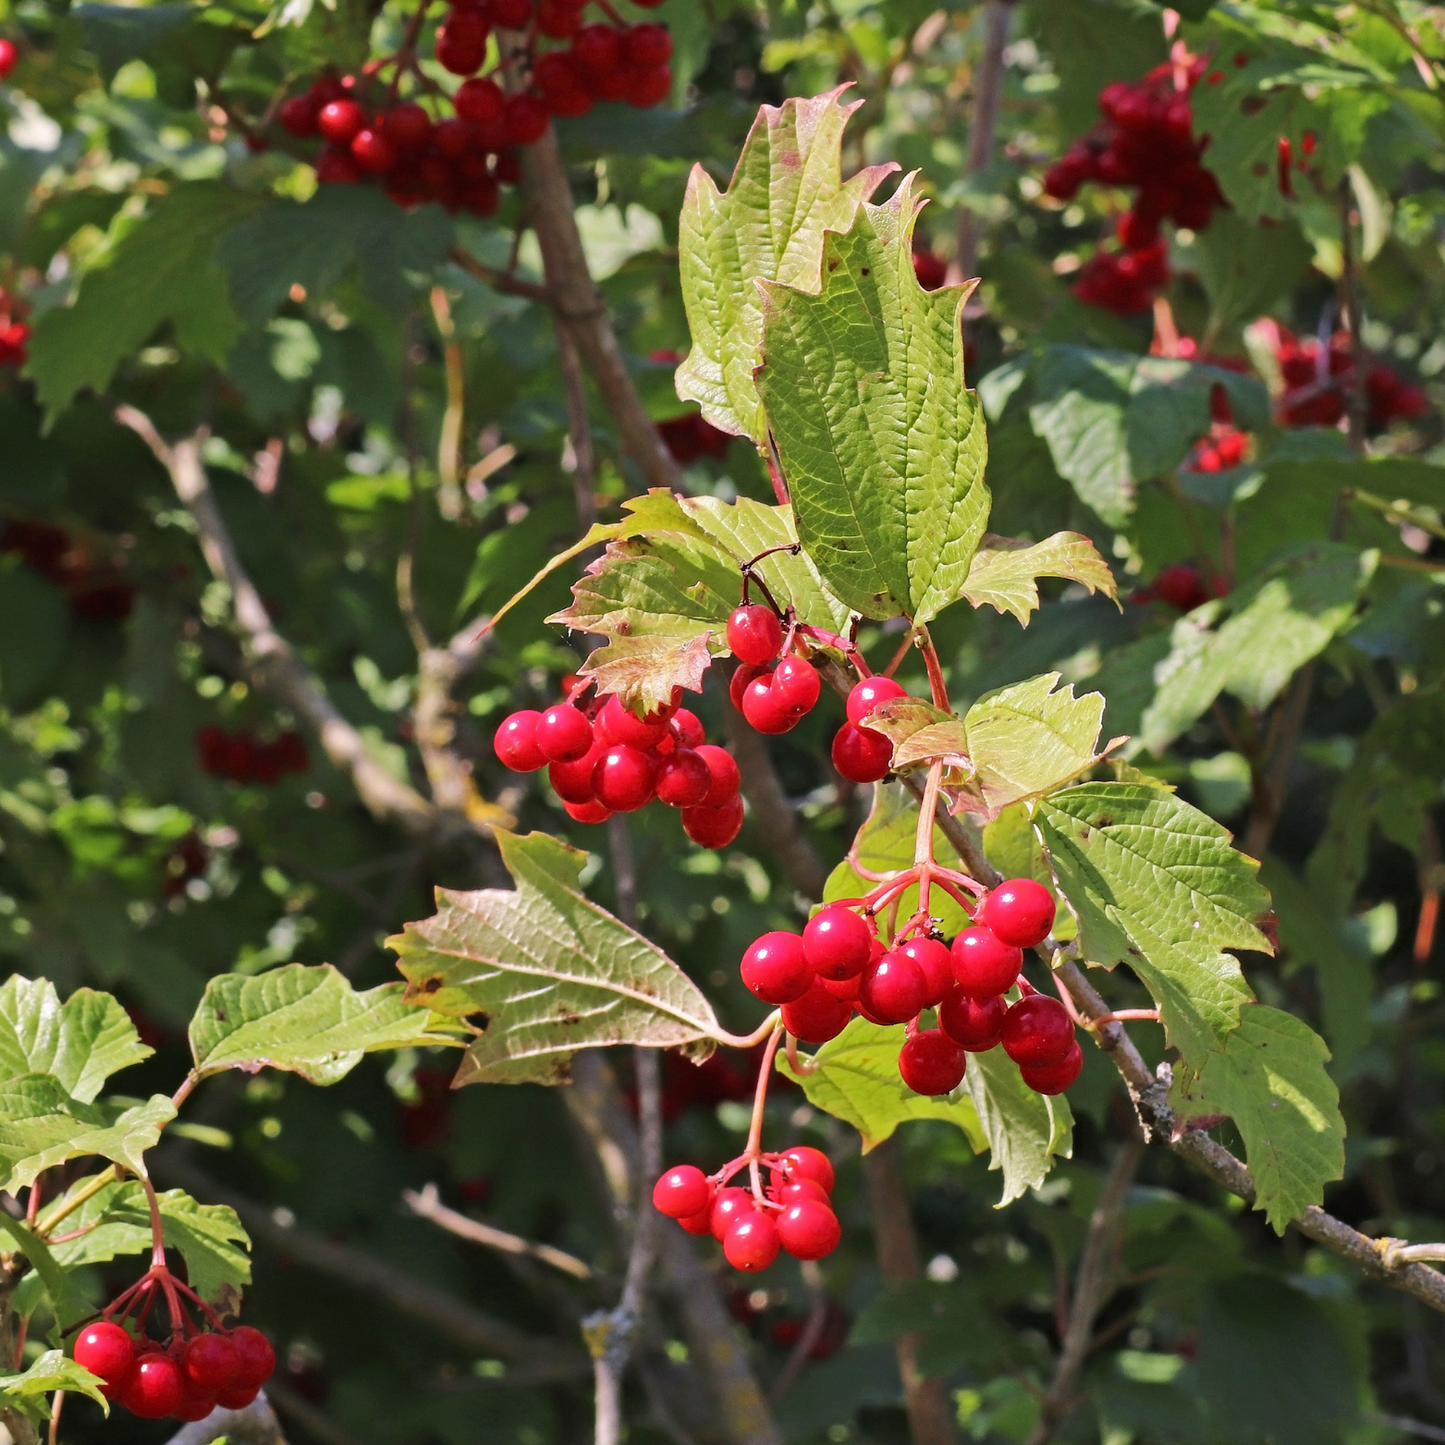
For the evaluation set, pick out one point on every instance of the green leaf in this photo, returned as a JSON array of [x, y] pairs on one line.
[[210, 1237], [1011, 844], [855, 1078], [1004, 572], [786, 191], [41, 1126], [1270, 1078], [1026, 1131], [1275, 625], [543, 971], [158, 269], [882, 445], [66, 1301], [117, 33], [52, 1371], [1154, 883], [920, 732], [309, 1021], [643, 671], [1246, 268], [79, 1043]]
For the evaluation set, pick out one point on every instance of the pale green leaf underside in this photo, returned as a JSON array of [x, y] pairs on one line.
[[53, 1370], [643, 671], [920, 732], [882, 445], [544, 971], [1270, 1078], [309, 1021], [1004, 573], [1026, 1131], [1155, 884]]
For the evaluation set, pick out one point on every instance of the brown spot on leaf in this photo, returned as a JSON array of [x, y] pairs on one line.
[[833, 264], [221, 1016], [478, 1019], [1105, 822], [866, 271], [430, 985], [569, 1018]]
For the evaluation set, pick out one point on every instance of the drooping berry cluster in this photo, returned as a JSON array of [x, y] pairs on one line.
[[861, 754], [773, 693], [602, 759], [1146, 141], [1319, 379], [91, 575], [241, 757], [792, 1213]]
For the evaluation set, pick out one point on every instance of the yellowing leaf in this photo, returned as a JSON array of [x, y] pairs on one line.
[[643, 671], [1004, 573]]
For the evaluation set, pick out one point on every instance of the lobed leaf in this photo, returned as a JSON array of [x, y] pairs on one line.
[[920, 732], [1004, 572], [49, 1372], [79, 1043], [1025, 1131], [644, 671]]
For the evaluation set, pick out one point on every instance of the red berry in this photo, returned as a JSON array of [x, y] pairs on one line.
[[766, 710], [867, 694], [1037, 1030], [573, 781], [568, 102], [754, 633], [593, 812], [838, 943], [861, 755], [752, 1243], [237, 1397], [466, 26], [726, 779], [210, 1363], [563, 734], [728, 1207], [326, 88], [844, 988], [557, 20], [9, 55], [975, 1023], [597, 48], [932, 1063], [480, 100], [298, 115], [817, 1016], [743, 674], [623, 779], [481, 196], [698, 1223], [775, 968], [983, 965], [805, 1162], [1056, 1077], [710, 827], [154, 1388], [794, 1191], [458, 54], [1020, 912], [339, 120], [797, 684], [526, 120], [894, 989], [648, 87], [687, 728], [809, 1230], [373, 151], [196, 1407], [683, 779], [936, 963], [408, 127], [681, 1192], [612, 85], [510, 14], [508, 167], [258, 1358], [336, 168], [105, 1349], [647, 46], [618, 725]]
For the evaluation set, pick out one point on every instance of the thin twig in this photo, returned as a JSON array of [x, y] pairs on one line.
[[983, 124], [1350, 304], [426, 1204], [812, 1331], [579, 431], [449, 448], [503, 281]]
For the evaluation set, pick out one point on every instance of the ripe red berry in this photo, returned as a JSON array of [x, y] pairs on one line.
[[480, 100], [974, 1023], [9, 55], [298, 115], [932, 1063], [710, 827], [335, 167], [458, 54], [647, 46], [237, 1397], [339, 120], [195, 1407], [797, 685], [794, 1191], [555, 71], [934, 959], [698, 1223], [1037, 1030], [619, 725], [805, 1162], [868, 694], [728, 1207], [258, 1358], [563, 734], [983, 965], [481, 196], [766, 710], [596, 48], [683, 779], [861, 755], [743, 674], [515, 742], [526, 120], [105, 1349], [510, 14], [1020, 912], [573, 781], [373, 151], [844, 988], [1056, 1077], [558, 20], [407, 126], [775, 968], [817, 1016], [752, 1243], [210, 1363], [681, 1192], [838, 943], [726, 778], [809, 1230], [648, 87], [754, 633], [326, 88], [686, 727], [154, 1387], [593, 812], [623, 779], [893, 989]]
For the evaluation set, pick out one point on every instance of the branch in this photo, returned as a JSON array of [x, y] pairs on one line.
[[987, 88], [255, 1425], [427, 1205], [579, 431], [449, 447], [506, 282]]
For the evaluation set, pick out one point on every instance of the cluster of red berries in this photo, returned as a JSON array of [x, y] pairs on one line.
[[794, 1213], [691, 436], [14, 332], [774, 694], [1180, 585], [461, 160], [1223, 448], [1319, 378], [184, 1380], [94, 583], [602, 759], [1146, 141], [240, 757]]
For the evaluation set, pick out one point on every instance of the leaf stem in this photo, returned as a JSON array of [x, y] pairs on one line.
[[760, 1099], [748, 1041], [935, 670], [67, 1207]]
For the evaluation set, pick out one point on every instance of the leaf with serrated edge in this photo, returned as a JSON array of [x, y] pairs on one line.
[[80, 1043], [786, 190], [882, 444], [308, 1020], [66, 1300], [1270, 1078], [1027, 740], [1004, 572], [1026, 1131], [544, 971], [643, 671], [855, 1078], [920, 732], [41, 1126], [1154, 883], [54, 1370]]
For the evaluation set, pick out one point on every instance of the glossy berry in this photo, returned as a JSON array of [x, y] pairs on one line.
[[974, 1023], [1056, 1077], [647, 46], [752, 1243], [480, 100], [714, 827], [727, 1208], [681, 1192], [936, 964], [210, 1363], [932, 1063], [844, 988], [765, 710], [623, 779], [838, 943], [984, 966], [817, 1016], [700, 1223], [619, 725], [805, 1162], [809, 1230], [648, 87], [597, 48], [743, 674], [9, 55], [573, 781], [754, 634], [796, 1190], [298, 115], [1020, 912], [683, 779], [868, 694], [105, 1349], [593, 812], [775, 968], [796, 685], [861, 755], [1037, 1030], [339, 120], [686, 727], [258, 1358], [726, 777], [154, 1388], [373, 151], [893, 989], [563, 734], [237, 1397]]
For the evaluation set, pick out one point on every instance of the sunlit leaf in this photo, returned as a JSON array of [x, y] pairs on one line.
[[1004, 573]]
